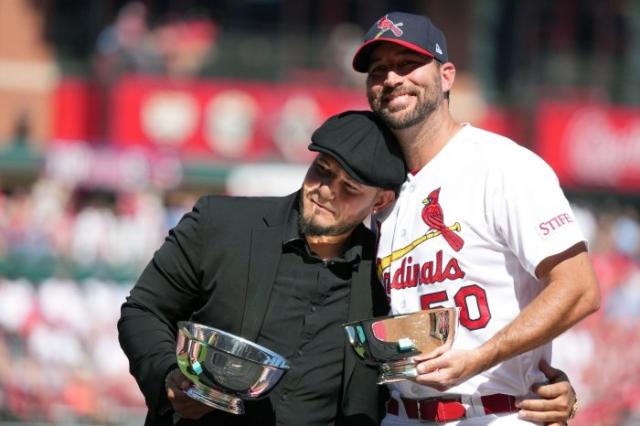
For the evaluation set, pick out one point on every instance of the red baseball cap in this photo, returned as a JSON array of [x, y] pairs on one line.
[[415, 32]]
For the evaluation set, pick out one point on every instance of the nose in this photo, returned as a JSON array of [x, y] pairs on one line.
[[326, 189], [392, 79]]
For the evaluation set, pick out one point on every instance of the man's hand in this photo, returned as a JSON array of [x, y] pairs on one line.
[[188, 408], [443, 369], [559, 403]]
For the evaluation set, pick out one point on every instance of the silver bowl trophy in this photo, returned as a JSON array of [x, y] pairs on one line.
[[391, 342], [226, 369]]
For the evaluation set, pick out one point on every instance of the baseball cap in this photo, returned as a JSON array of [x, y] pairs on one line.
[[415, 32], [363, 146]]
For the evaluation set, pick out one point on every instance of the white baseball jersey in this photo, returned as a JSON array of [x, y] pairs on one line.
[[468, 230]]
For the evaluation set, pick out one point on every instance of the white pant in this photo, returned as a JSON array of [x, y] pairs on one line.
[[507, 419]]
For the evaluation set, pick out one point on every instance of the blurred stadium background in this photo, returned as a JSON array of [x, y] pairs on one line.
[[116, 115]]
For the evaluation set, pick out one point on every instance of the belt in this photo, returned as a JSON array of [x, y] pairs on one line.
[[450, 408]]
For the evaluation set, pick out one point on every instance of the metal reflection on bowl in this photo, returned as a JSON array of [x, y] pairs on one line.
[[391, 342], [226, 369]]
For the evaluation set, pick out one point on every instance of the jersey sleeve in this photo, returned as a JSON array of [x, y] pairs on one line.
[[532, 214]]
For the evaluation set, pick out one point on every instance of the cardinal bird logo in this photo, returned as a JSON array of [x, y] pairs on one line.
[[385, 24], [432, 216]]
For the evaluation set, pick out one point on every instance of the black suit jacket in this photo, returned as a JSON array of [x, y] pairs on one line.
[[217, 267]]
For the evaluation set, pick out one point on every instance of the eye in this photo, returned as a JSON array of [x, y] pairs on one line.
[[408, 65], [322, 169], [352, 189], [376, 70]]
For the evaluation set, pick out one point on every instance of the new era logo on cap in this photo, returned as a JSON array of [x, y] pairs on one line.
[[415, 32]]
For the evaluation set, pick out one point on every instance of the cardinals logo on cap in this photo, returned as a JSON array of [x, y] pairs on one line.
[[385, 24]]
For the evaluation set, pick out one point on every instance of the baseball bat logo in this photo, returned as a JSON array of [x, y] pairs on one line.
[[385, 24], [432, 215]]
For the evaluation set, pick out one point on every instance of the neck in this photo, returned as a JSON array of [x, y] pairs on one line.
[[328, 246], [422, 142]]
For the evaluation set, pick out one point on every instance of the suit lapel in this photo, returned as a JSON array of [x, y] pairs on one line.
[[360, 300], [359, 308], [264, 258], [266, 247]]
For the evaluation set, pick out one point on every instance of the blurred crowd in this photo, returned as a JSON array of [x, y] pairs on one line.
[[51, 229], [176, 46], [601, 353], [60, 361], [59, 355], [68, 260], [191, 44]]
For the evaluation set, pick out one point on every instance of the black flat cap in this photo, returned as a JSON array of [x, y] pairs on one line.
[[363, 146]]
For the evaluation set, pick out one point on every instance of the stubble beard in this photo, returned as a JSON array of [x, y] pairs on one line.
[[308, 227], [428, 100]]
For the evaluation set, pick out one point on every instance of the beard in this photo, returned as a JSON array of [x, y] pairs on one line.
[[427, 101], [307, 225]]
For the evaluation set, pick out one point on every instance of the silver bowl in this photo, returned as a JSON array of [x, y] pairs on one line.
[[226, 369], [391, 342]]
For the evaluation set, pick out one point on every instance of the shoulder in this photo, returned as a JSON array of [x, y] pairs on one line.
[[235, 201], [490, 142], [243, 205], [220, 210], [504, 156]]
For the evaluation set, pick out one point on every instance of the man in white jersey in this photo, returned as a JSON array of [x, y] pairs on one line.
[[481, 224]]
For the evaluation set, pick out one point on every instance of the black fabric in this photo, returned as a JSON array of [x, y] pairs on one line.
[[218, 267], [358, 139], [309, 302], [415, 32]]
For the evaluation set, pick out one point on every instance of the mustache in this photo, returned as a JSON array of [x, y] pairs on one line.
[[314, 197], [388, 92]]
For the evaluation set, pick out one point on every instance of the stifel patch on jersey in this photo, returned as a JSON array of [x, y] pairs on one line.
[[547, 227]]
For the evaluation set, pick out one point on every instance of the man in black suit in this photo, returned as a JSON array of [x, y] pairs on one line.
[[284, 272]]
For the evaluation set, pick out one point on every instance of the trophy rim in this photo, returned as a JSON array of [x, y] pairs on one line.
[[384, 317], [271, 360], [383, 353]]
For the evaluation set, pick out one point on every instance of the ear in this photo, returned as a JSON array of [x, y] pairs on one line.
[[383, 199], [448, 74]]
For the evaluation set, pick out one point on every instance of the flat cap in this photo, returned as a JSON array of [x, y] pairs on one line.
[[363, 146]]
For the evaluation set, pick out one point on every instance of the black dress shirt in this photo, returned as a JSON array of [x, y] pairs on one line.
[[308, 304]]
